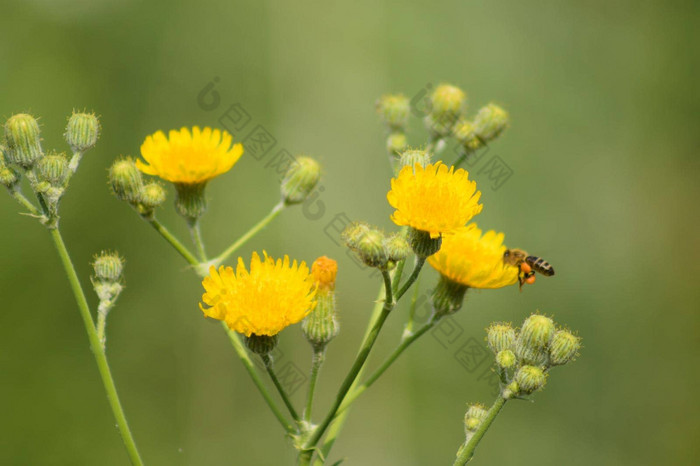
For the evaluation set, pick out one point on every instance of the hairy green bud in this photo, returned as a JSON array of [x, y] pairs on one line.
[[23, 140], [108, 266], [321, 325], [506, 359], [394, 110], [530, 379], [301, 178], [153, 195], [563, 348], [126, 180], [82, 131], [500, 336], [446, 103], [473, 418], [411, 157], [53, 169], [490, 122], [536, 332], [396, 143], [396, 247], [370, 248]]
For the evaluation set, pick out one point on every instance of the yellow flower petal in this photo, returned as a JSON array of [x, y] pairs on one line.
[[436, 199], [189, 157], [474, 260], [264, 300]]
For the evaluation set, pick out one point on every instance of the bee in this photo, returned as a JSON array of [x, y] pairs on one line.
[[528, 265]]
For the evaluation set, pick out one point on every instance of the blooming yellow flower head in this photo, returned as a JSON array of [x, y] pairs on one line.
[[189, 157], [262, 301], [473, 260], [435, 199]]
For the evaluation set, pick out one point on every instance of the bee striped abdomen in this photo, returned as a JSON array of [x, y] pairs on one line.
[[540, 265]]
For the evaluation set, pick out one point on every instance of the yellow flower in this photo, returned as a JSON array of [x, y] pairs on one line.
[[189, 157], [263, 301], [324, 271], [473, 260], [435, 199]]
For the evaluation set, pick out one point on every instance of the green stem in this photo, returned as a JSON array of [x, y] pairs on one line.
[[101, 325], [179, 247], [75, 161], [196, 233], [420, 261], [316, 363], [339, 420], [408, 329], [267, 360], [248, 364], [97, 350], [26, 203], [466, 452], [386, 364], [249, 234], [397, 276], [354, 370]]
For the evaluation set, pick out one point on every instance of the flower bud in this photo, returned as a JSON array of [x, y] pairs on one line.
[[411, 157], [447, 297], [126, 180], [153, 195], [53, 169], [367, 242], [506, 359], [371, 248], [301, 178], [353, 233], [324, 271], [8, 177], [490, 122], [476, 413], [530, 356], [465, 133], [108, 266], [536, 332], [321, 325], [396, 247], [23, 140], [500, 337], [446, 102], [530, 379], [563, 348], [396, 142], [423, 244], [261, 344], [82, 131], [394, 110]]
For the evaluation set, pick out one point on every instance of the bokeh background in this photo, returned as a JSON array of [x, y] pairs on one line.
[[603, 147]]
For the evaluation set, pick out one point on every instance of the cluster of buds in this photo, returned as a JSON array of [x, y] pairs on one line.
[[48, 174], [394, 110], [321, 325], [128, 184], [375, 248], [524, 356], [489, 122]]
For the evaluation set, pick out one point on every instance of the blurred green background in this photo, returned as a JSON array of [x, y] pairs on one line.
[[603, 147]]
